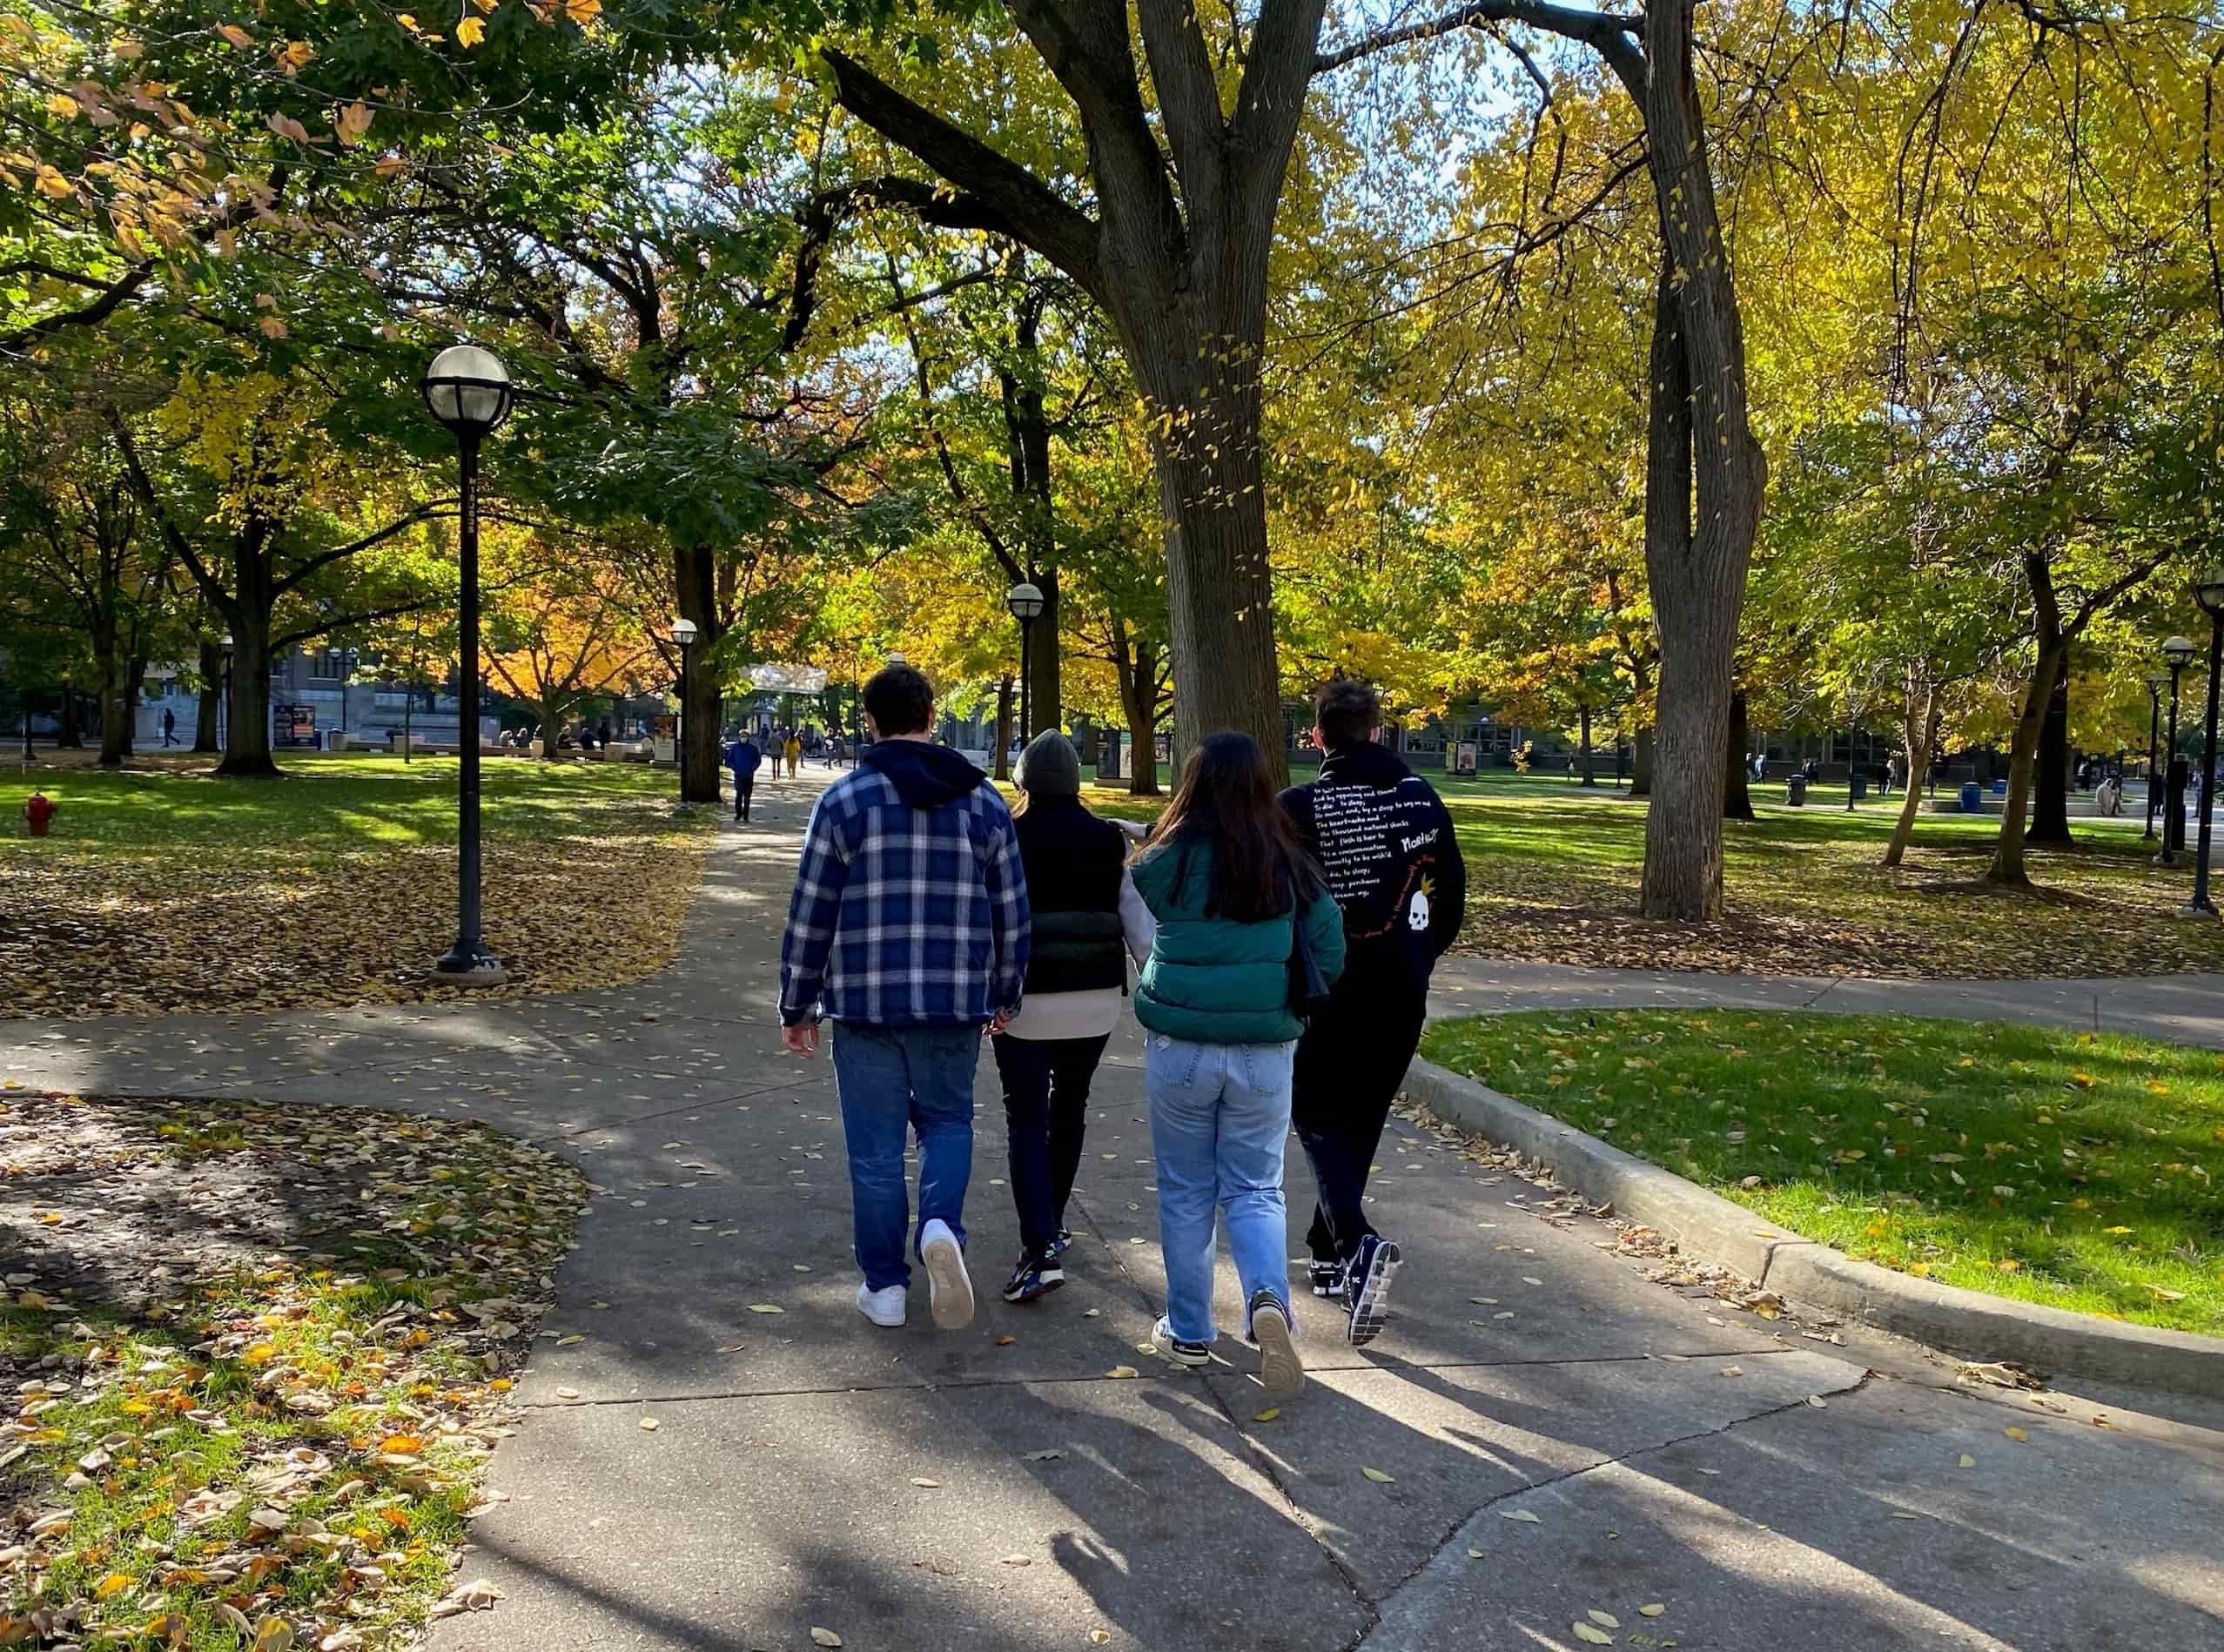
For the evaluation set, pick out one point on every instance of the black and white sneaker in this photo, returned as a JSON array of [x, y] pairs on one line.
[[1189, 1354], [1281, 1372], [1328, 1278], [1061, 1244], [1367, 1287], [1033, 1276]]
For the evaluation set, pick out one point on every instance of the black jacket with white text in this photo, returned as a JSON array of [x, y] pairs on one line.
[[1385, 840]]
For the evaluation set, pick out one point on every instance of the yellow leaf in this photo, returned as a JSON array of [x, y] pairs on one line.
[[766, 1307], [63, 105], [824, 1637], [1654, 1610], [2161, 1295], [274, 1635], [1123, 1370], [1005, 1340], [470, 32], [1592, 1634], [236, 35], [649, 1425], [1604, 1619], [114, 1583], [1378, 1476], [924, 1484], [2016, 1435], [582, 12], [1521, 1515], [1968, 1461], [2115, 1230], [1269, 1415], [352, 122], [52, 183], [401, 1445]]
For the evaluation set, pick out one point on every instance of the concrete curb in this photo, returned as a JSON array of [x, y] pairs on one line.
[[1714, 1229]]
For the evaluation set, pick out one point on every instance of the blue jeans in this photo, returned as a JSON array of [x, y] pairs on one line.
[[1219, 1120], [892, 1080]]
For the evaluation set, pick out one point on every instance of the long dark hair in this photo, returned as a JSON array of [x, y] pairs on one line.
[[1225, 799]]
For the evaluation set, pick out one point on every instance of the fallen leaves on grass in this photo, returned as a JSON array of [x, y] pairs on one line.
[[263, 1385], [182, 892]]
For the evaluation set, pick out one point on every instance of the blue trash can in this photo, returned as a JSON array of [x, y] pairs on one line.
[[1972, 798], [2000, 788]]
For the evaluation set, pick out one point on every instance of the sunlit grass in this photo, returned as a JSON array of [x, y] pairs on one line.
[[2071, 1169]]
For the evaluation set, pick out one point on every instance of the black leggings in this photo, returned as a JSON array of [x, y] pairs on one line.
[[1046, 1096]]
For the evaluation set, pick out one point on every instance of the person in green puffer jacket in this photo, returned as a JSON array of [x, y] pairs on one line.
[[1228, 886]]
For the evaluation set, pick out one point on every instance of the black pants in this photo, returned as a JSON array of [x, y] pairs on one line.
[[1045, 1095], [742, 787], [1350, 1064]]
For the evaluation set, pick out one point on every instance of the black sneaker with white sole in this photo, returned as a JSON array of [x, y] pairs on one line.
[[1181, 1353], [1032, 1277], [1328, 1278], [1281, 1372], [1367, 1286]]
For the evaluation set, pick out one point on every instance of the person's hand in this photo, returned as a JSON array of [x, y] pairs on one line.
[[800, 1040], [999, 1022]]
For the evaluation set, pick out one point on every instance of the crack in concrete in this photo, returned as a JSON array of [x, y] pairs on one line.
[[1631, 1455]]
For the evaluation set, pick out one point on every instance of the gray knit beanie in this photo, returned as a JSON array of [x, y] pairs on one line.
[[1050, 767]]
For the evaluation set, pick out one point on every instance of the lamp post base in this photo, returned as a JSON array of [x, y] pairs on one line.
[[2196, 909], [469, 966]]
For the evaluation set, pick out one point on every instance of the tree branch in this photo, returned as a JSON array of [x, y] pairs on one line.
[[1612, 35], [1029, 210]]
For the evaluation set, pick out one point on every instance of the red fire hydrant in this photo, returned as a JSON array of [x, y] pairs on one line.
[[38, 812]]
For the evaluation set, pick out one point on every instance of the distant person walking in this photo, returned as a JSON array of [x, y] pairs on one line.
[[1239, 910], [1384, 842], [795, 752], [1086, 918], [168, 726], [908, 930], [744, 759]]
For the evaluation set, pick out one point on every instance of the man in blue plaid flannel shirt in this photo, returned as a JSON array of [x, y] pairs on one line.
[[908, 930]]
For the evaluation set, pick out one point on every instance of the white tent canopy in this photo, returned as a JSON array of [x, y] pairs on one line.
[[784, 679]]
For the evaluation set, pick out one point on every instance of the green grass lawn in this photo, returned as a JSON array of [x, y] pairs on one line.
[[166, 888], [1553, 871], [2064, 1168]]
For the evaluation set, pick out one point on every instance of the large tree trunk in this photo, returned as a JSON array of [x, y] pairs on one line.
[[1045, 682], [118, 710], [71, 732], [695, 572], [1219, 599], [210, 670], [2050, 813], [1138, 671], [1641, 763], [2009, 867], [1705, 482], [247, 706], [1028, 428], [1919, 736], [1737, 795]]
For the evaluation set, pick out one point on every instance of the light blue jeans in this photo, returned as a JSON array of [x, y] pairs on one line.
[[1219, 1120]]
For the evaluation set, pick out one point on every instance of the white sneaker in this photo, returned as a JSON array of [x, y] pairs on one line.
[[885, 1308], [950, 1288]]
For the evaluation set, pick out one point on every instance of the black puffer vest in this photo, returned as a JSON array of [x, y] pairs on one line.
[[1074, 863]]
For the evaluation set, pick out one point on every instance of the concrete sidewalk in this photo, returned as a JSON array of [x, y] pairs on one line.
[[996, 1489]]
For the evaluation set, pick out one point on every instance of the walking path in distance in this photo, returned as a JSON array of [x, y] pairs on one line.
[[995, 1489]]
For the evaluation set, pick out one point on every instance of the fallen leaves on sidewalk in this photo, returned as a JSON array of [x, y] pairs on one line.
[[258, 1383]]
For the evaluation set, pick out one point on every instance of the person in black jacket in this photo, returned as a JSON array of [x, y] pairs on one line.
[[1386, 842], [1086, 919]]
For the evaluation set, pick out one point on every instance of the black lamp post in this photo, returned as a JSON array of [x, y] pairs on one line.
[[2177, 654], [346, 657], [468, 390], [2209, 591], [224, 700], [2153, 735], [1025, 602], [683, 633]]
